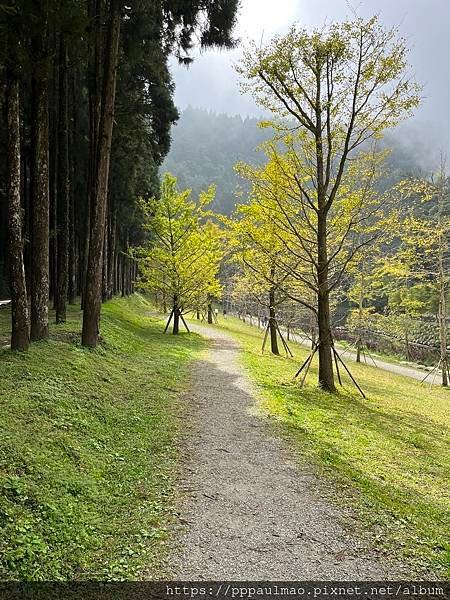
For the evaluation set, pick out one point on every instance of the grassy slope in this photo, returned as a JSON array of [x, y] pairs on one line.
[[389, 453], [87, 448]]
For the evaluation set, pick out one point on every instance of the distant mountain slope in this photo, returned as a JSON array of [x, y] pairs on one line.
[[207, 145], [205, 148]]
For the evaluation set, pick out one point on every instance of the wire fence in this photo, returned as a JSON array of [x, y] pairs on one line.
[[302, 324]]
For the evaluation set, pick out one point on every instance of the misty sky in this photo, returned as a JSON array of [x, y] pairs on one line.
[[212, 83]]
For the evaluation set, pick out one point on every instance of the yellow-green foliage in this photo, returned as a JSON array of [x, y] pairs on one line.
[[183, 256]]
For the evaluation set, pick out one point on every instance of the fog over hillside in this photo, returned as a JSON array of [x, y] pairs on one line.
[[212, 83], [206, 146]]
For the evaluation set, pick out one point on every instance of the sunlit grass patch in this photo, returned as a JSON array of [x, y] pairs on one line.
[[389, 453], [88, 447]]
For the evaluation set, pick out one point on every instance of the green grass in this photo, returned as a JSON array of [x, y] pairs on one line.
[[388, 455], [88, 448]]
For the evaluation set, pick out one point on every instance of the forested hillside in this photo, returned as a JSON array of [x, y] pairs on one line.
[[205, 148]]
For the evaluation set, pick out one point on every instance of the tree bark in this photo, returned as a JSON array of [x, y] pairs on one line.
[[326, 375], [176, 316], [63, 188], [111, 256], [210, 312], [92, 303], [273, 323], [73, 254], [19, 300], [40, 201]]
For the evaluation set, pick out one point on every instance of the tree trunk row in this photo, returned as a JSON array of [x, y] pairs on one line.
[[59, 209]]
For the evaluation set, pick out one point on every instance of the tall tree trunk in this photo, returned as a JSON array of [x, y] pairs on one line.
[[19, 300], [273, 323], [26, 204], [72, 273], [133, 275], [210, 311], [116, 289], [80, 257], [176, 316], [92, 304], [94, 87], [105, 259], [326, 376], [359, 341], [40, 201], [73, 255], [53, 170], [63, 188], [111, 256], [129, 271], [85, 243], [123, 274]]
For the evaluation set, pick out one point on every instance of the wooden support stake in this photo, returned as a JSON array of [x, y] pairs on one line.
[[185, 324], [432, 371], [307, 363], [337, 367], [302, 367], [351, 376], [286, 347], [265, 339], [168, 322], [308, 366]]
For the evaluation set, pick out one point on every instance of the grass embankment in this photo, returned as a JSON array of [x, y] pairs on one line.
[[389, 454], [88, 447]]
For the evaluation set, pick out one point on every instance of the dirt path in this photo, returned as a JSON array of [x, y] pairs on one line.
[[249, 511]]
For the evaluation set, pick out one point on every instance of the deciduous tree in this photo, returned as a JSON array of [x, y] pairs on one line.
[[337, 87], [183, 257]]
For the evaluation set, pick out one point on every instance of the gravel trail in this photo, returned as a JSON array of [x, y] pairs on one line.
[[248, 510]]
